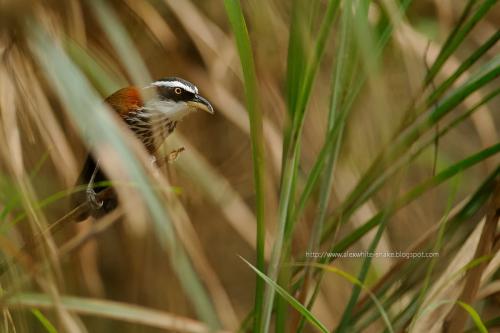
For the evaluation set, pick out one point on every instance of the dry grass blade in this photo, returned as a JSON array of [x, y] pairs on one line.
[[153, 20], [457, 319], [114, 310], [187, 235], [442, 289]]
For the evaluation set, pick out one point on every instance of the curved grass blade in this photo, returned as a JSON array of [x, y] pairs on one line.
[[437, 247], [469, 309], [495, 322], [290, 299], [475, 316], [352, 279], [113, 310], [44, 321]]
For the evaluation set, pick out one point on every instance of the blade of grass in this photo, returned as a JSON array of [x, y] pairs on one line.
[[13, 198], [475, 317], [469, 309], [365, 42], [345, 321], [297, 52], [457, 37], [455, 320], [44, 321], [352, 279], [112, 310], [100, 76], [464, 66], [437, 247], [290, 299], [237, 20], [492, 323]]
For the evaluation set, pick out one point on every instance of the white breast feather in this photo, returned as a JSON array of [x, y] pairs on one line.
[[173, 110]]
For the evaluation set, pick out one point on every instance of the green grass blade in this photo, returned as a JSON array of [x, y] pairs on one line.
[[495, 322], [457, 37], [464, 66], [297, 52], [437, 247], [475, 317], [237, 20], [290, 299], [312, 69], [352, 279], [469, 309], [112, 310], [47, 325]]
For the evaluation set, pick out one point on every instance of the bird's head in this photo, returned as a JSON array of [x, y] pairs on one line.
[[175, 98]]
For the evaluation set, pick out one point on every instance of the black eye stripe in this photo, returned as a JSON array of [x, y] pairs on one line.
[[172, 93]]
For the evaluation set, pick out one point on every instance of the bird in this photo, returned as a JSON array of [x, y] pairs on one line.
[[152, 114]]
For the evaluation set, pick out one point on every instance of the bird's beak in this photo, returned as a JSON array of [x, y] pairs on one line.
[[200, 103]]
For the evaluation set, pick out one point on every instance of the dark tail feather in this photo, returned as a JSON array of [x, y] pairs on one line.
[[80, 197]]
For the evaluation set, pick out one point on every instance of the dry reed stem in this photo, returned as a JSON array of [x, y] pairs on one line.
[[457, 319]]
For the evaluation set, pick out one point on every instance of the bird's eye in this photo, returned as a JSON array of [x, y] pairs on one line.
[[178, 91]]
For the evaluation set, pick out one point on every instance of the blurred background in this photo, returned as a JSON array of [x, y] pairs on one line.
[[170, 259]]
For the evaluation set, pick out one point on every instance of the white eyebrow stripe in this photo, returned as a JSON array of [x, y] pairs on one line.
[[175, 84]]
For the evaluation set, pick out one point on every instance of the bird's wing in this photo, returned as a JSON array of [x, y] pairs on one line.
[[125, 100]]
